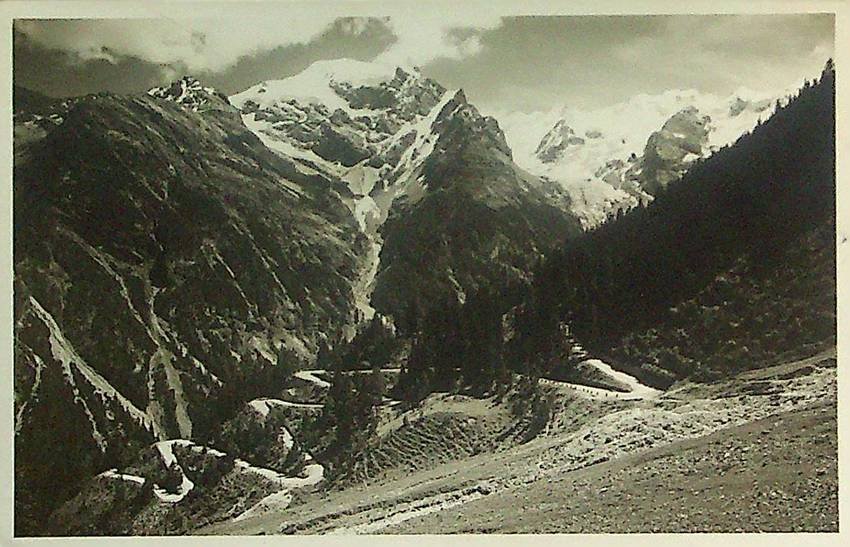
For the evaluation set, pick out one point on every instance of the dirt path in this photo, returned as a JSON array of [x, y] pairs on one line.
[[638, 389], [310, 376]]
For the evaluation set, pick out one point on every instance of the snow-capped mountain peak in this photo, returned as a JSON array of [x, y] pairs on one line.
[[556, 141], [316, 85], [615, 157], [190, 93], [336, 114]]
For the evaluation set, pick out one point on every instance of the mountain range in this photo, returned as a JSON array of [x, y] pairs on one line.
[[614, 158], [179, 254]]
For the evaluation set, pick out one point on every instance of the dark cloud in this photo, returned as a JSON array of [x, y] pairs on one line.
[[534, 63], [363, 43], [529, 63], [62, 73]]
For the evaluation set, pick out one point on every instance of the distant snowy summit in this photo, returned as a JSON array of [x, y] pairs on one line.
[[616, 157], [556, 141], [190, 93]]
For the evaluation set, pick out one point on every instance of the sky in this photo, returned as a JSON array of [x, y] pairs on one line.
[[503, 63]]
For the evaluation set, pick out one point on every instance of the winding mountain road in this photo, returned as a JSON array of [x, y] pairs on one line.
[[638, 390]]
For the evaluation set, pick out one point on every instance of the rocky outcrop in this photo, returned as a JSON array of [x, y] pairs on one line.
[[552, 147], [669, 151], [740, 105]]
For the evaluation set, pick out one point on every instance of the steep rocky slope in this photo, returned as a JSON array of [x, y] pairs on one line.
[[170, 247], [161, 256], [430, 180]]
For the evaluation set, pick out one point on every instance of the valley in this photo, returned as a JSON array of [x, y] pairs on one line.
[[691, 442], [350, 301]]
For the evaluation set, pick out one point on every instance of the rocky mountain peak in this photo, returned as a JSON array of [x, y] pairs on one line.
[[669, 151], [553, 144], [337, 113], [687, 122], [740, 105], [190, 93]]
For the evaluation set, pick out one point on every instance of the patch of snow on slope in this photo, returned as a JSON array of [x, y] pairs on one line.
[[63, 352], [114, 474]]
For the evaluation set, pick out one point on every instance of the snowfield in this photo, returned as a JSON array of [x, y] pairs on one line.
[[312, 85]]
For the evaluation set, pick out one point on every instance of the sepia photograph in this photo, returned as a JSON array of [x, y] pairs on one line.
[[341, 268]]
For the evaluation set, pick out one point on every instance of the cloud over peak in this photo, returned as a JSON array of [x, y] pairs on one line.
[[213, 45]]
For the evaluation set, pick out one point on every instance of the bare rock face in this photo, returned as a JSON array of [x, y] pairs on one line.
[[669, 151], [338, 144], [740, 105], [552, 147]]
